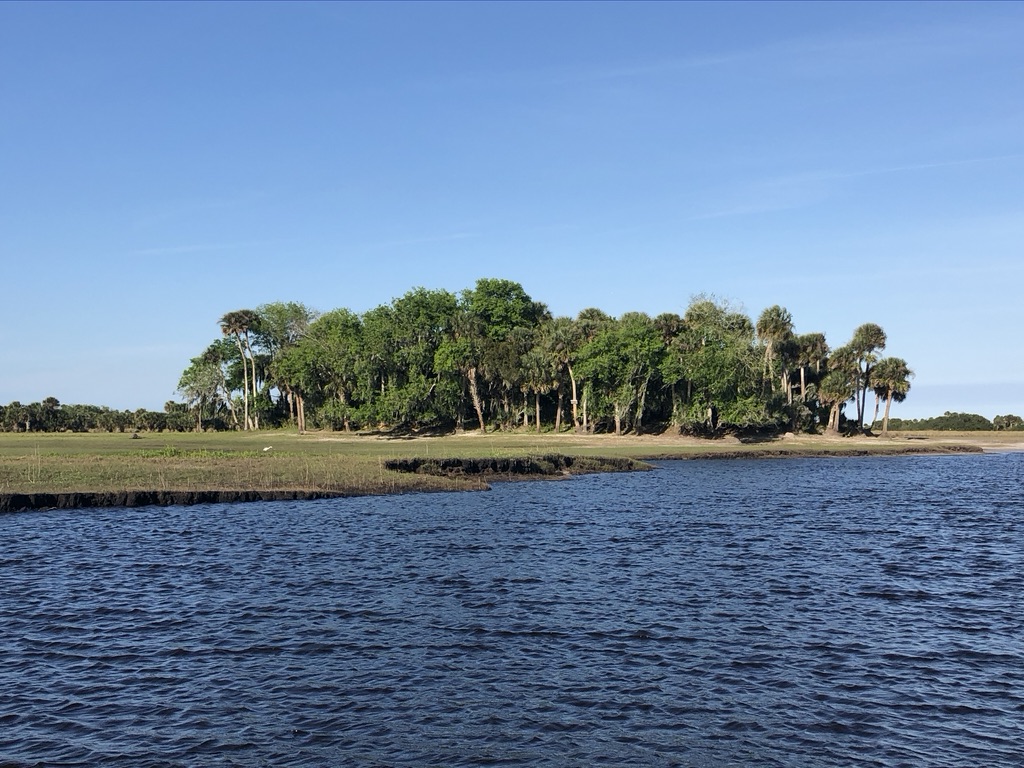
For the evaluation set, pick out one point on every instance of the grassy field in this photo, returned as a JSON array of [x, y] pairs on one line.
[[98, 463]]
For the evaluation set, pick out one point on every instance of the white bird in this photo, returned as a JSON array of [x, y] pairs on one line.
[[267, 448]]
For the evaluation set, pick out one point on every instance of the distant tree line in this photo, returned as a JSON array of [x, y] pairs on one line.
[[52, 416], [491, 357], [960, 422]]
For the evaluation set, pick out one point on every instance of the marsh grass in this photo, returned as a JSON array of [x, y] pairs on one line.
[[65, 463], [352, 464]]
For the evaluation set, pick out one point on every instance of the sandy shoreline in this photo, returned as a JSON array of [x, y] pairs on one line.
[[989, 442]]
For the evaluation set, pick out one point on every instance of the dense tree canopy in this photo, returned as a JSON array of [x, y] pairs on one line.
[[492, 357]]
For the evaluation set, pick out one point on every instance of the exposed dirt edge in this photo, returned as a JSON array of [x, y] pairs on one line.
[[551, 464], [17, 502]]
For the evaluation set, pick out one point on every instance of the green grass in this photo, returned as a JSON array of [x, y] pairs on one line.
[[229, 461], [102, 462]]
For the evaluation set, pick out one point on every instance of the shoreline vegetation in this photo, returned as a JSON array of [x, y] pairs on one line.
[[65, 471]]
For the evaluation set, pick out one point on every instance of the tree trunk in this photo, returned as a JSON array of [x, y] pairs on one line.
[[875, 417], [803, 383], [574, 401], [857, 399], [558, 410], [833, 419], [641, 404], [344, 409], [227, 400], [252, 379], [471, 378], [862, 403], [536, 405], [460, 411], [300, 413], [586, 424], [245, 381], [885, 417], [618, 419]]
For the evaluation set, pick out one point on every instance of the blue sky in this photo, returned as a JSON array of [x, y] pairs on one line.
[[164, 163]]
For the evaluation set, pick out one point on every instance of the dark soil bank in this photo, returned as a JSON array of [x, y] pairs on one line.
[[532, 466], [17, 502]]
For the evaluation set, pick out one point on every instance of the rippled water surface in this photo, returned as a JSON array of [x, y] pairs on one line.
[[813, 612]]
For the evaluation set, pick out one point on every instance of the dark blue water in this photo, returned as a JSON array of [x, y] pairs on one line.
[[815, 612]]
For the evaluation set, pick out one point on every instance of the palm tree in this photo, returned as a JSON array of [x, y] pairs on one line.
[[867, 340], [238, 324], [774, 326], [891, 381], [788, 351], [812, 349], [834, 390], [839, 384]]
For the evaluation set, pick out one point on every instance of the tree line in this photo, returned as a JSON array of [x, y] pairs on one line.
[[960, 422], [50, 415], [491, 357]]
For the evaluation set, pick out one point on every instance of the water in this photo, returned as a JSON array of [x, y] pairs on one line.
[[816, 612]]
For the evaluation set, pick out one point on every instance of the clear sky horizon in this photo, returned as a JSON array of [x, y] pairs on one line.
[[164, 163]]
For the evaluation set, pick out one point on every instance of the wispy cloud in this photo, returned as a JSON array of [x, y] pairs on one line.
[[783, 193], [751, 209], [799, 190], [908, 45], [194, 207], [912, 44], [650, 68], [185, 250], [386, 244], [519, 79], [879, 171]]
